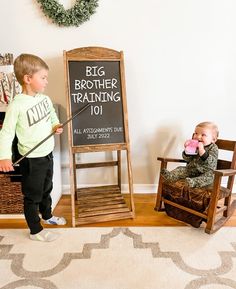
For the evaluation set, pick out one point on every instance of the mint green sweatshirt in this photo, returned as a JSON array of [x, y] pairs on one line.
[[31, 118]]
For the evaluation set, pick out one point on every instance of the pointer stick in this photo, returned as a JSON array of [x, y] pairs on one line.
[[51, 134]]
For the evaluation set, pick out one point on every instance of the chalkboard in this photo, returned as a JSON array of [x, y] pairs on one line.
[[98, 122], [99, 84]]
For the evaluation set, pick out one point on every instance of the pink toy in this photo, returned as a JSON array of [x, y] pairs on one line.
[[191, 148]]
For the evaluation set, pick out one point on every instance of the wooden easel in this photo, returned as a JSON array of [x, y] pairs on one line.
[[100, 203]]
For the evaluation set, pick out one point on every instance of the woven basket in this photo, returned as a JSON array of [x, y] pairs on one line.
[[11, 197]]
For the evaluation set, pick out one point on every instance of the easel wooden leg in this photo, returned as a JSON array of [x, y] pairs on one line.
[[73, 187], [119, 168], [130, 179]]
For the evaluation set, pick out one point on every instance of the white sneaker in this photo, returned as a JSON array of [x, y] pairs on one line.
[[55, 221], [44, 236]]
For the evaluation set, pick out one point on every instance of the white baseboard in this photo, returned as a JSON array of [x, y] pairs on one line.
[[12, 216]]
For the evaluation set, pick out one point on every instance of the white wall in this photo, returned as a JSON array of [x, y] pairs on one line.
[[180, 62]]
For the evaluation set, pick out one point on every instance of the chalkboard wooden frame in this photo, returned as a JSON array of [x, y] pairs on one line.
[[102, 55], [106, 194]]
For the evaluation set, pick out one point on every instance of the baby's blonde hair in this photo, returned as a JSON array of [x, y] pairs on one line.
[[27, 64], [210, 125]]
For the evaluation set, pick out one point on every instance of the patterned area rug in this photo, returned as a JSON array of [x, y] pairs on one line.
[[120, 258]]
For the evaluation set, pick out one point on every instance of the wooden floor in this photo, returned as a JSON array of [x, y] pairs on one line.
[[144, 208]]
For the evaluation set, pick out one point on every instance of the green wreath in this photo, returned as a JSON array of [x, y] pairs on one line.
[[74, 16]]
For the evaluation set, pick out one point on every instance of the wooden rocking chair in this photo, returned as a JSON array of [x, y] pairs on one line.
[[211, 204]]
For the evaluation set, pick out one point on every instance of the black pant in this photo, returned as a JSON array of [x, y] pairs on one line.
[[37, 184]]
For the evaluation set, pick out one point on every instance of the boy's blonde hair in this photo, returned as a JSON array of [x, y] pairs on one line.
[[27, 64], [210, 125]]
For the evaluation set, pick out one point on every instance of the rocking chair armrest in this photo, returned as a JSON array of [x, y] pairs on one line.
[[225, 173], [166, 160]]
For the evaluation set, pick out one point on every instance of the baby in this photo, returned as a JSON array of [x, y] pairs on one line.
[[201, 154]]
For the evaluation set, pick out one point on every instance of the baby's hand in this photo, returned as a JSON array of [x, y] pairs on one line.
[[6, 166], [201, 149], [58, 129], [187, 143]]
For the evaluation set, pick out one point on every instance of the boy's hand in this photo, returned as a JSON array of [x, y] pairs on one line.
[[6, 166], [58, 129]]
